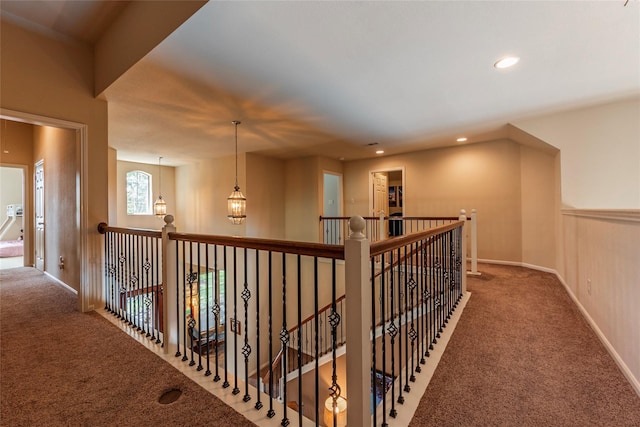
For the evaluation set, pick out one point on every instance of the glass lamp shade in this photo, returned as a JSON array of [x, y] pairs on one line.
[[160, 207], [237, 207], [337, 412]]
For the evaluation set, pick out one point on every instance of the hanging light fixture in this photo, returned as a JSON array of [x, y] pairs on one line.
[[236, 203], [160, 206]]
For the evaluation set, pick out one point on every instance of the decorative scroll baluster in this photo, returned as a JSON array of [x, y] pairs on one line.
[[216, 309], [207, 372], [258, 404], [246, 348]]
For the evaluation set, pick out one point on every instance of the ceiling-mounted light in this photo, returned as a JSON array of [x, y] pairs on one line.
[[506, 62], [379, 151], [236, 203], [461, 139], [160, 206]]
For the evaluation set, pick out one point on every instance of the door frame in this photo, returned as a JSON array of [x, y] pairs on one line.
[[38, 204], [82, 199], [385, 170]]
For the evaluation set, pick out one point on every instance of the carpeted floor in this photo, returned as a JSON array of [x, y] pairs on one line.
[[60, 367], [523, 355]]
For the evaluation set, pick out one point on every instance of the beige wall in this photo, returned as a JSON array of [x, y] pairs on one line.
[[202, 190], [168, 194], [302, 208], [265, 194], [538, 183], [498, 179], [58, 148], [600, 149], [53, 78]]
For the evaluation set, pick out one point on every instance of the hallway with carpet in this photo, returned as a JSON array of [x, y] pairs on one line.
[[521, 355]]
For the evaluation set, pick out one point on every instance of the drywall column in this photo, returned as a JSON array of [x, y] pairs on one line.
[[358, 298], [169, 286]]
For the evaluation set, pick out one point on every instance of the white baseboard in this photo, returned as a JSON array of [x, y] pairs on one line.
[[635, 383], [60, 282]]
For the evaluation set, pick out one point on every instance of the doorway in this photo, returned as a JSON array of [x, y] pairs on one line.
[[77, 208], [12, 243], [332, 202], [386, 194]]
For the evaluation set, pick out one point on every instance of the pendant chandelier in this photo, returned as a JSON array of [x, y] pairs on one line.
[[160, 206], [236, 203]]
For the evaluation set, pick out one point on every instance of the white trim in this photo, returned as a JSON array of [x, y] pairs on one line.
[[60, 282], [635, 382], [627, 215], [83, 205]]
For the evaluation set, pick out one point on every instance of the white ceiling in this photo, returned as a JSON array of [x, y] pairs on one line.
[[328, 78]]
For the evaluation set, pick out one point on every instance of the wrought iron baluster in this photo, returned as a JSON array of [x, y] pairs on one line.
[[374, 362], [199, 325], [299, 355], [235, 390], [207, 372], [284, 339], [225, 383], [258, 404], [246, 348], [270, 413], [316, 340]]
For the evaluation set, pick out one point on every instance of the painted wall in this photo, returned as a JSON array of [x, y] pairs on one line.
[[538, 180], [600, 149], [58, 148], [302, 201], [54, 78], [201, 196], [265, 194], [487, 177], [168, 194]]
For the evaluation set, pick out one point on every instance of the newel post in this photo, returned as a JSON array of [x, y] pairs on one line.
[[358, 299], [169, 285], [474, 244], [382, 227], [463, 249]]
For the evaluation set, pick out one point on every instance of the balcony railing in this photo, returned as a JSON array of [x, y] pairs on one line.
[[268, 319]]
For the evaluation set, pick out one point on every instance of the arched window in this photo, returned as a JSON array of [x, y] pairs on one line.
[[139, 198]]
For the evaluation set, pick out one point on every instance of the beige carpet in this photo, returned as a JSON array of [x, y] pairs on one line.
[[523, 355], [59, 367]]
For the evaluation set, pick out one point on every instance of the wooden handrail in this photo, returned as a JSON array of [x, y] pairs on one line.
[[103, 228], [378, 248], [274, 365], [373, 218], [282, 246], [313, 316]]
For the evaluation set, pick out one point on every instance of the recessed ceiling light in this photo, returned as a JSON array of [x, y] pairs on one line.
[[506, 62], [379, 151], [463, 139]]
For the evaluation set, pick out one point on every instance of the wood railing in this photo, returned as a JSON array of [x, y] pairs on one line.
[[260, 316]]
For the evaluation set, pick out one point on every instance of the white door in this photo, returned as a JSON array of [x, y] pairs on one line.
[[39, 210], [380, 197]]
